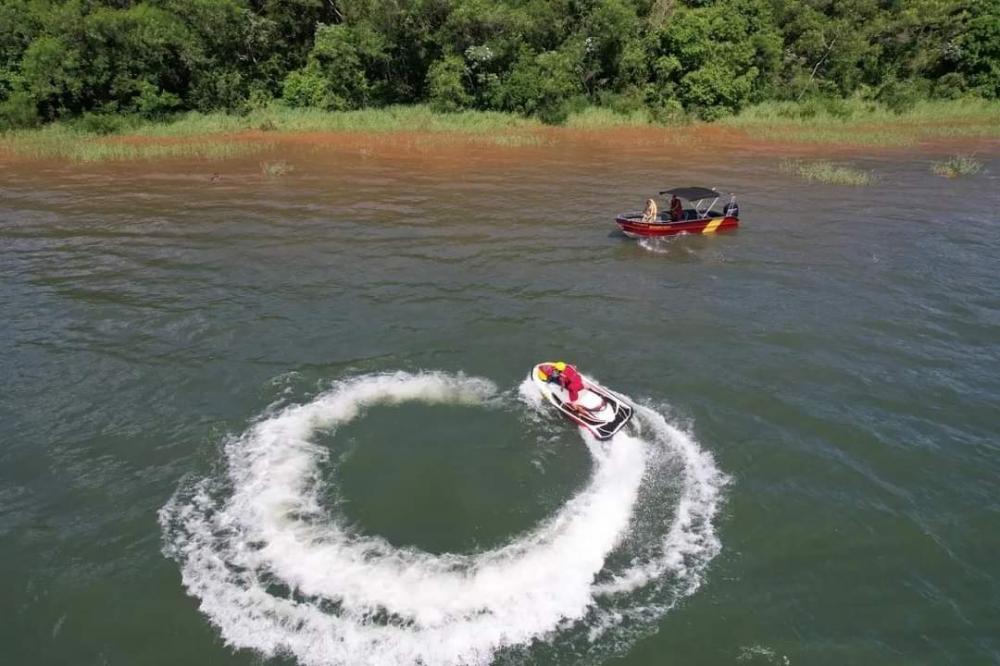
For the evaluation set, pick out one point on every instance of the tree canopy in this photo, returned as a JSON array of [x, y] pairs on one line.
[[68, 58]]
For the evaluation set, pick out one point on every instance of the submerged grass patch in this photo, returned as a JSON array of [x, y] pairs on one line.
[[828, 172], [957, 165], [518, 140], [504, 140], [845, 136], [113, 151], [276, 168]]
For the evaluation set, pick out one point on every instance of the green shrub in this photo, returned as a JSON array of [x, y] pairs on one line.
[[334, 78], [977, 49], [542, 85], [337, 58], [153, 102], [838, 107], [666, 112], [220, 89], [52, 76], [676, 58], [99, 123], [805, 109], [719, 56], [552, 112], [305, 87], [899, 97], [18, 111], [260, 98], [447, 91], [950, 86], [627, 102]]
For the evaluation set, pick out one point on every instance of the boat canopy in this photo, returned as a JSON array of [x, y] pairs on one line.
[[692, 193]]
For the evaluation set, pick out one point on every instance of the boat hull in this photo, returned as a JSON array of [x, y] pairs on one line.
[[634, 227]]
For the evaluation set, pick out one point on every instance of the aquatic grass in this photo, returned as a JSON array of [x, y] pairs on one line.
[[512, 140], [517, 140], [596, 117], [846, 136], [118, 151], [854, 111], [276, 169], [957, 165], [972, 130], [851, 122], [59, 141], [221, 135], [277, 118], [371, 144], [856, 122], [667, 137], [827, 172], [506, 140], [50, 141]]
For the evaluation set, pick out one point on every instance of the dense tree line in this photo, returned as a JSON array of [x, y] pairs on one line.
[[66, 58]]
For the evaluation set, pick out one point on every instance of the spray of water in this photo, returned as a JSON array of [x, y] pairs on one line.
[[278, 573], [656, 245]]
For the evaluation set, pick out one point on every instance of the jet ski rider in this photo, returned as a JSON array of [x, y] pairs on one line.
[[563, 374]]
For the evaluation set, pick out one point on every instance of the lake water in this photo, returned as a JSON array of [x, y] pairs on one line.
[[283, 419]]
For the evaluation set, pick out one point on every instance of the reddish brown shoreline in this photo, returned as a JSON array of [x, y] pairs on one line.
[[695, 142]]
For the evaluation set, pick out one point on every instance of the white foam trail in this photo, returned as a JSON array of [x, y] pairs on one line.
[[690, 537], [276, 573], [663, 244]]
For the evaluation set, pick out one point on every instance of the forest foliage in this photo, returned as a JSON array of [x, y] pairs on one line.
[[100, 60]]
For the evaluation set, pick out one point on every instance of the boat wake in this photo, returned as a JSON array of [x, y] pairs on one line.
[[279, 573], [656, 245]]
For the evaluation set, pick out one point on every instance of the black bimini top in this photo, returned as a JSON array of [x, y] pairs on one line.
[[692, 193]]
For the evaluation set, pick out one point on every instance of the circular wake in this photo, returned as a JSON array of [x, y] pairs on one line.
[[278, 573]]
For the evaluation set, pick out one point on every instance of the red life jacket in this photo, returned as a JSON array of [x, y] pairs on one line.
[[571, 379]]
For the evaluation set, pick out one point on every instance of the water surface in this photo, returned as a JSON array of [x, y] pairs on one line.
[[835, 362]]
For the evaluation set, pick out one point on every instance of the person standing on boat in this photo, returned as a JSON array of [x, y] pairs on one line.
[[565, 375], [676, 209], [649, 215]]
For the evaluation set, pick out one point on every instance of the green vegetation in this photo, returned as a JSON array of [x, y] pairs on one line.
[[112, 64], [868, 123], [596, 117], [957, 165], [62, 142], [278, 118], [220, 135], [827, 172]]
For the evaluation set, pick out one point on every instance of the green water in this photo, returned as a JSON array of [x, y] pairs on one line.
[[838, 358]]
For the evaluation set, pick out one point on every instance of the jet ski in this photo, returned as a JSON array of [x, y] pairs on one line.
[[600, 411]]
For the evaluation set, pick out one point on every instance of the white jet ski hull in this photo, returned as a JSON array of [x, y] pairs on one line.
[[601, 412]]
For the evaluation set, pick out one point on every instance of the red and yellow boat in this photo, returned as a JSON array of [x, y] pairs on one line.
[[696, 217]]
